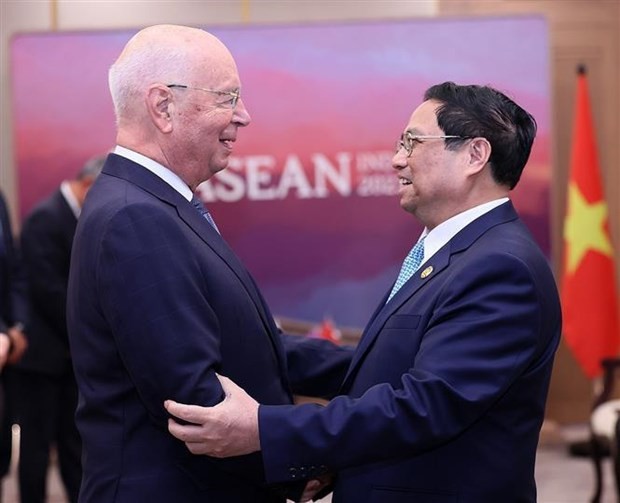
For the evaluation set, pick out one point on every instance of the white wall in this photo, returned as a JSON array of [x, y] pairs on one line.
[[18, 16]]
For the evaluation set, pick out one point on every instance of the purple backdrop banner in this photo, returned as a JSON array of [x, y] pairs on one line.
[[308, 201]]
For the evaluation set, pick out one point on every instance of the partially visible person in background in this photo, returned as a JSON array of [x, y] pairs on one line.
[[13, 317], [47, 393]]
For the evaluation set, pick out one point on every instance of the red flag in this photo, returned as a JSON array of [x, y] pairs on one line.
[[329, 331], [589, 298]]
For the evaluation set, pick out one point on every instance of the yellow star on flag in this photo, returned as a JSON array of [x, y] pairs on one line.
[[584, 228]]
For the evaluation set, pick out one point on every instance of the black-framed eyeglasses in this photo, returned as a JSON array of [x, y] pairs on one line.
[[234, 95], [409, 140]]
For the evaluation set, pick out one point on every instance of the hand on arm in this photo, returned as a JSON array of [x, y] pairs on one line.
[[18, 344], [315, 486], [227, 429], [5, 345]]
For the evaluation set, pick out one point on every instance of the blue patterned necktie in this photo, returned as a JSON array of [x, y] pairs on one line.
[[410, 265], [204, 212]]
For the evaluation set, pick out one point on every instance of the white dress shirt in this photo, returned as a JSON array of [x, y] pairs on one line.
[[154, 167], [445, 231], [67, 193]]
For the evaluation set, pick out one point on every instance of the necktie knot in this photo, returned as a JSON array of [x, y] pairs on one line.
[[197, 203], [411, 264]]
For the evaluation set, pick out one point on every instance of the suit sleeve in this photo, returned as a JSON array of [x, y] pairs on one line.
[[481, 336], [16, 276], [152, 292], [315, 367]]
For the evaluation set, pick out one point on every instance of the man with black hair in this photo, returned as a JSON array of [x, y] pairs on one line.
[[445, 396]]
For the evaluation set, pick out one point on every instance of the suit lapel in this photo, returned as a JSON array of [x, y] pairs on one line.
[[121, 167], [423, 276], [438, 262], [215, 241]]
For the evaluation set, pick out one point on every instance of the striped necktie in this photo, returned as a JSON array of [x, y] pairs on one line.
[[204, 212], [410, 266]]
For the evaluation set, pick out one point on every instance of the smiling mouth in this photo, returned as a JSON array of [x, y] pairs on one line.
[[403, 181]]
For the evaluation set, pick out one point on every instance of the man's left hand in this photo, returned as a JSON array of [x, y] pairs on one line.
[[227, 429], [19, 344], [5, 345]]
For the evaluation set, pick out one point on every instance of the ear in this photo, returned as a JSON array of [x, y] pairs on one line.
[[479, 152], [159, 103]]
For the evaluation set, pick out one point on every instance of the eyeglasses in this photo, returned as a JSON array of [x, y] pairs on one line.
[[235, 94], [408, 140]]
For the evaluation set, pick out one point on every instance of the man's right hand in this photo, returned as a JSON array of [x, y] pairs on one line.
[[314, 486]]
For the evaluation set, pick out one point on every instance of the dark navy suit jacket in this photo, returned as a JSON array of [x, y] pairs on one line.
[[46, 239], [157, 304], [447, 389]]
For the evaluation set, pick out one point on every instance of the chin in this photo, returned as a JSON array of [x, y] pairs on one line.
[[220, 163], [217, 167], [407, 206]]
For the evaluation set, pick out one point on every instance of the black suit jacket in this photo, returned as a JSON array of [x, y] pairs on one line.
[[13, 298], [46, 239], [13, 309]]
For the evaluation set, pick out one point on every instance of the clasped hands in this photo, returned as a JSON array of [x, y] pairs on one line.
[[227, 429]]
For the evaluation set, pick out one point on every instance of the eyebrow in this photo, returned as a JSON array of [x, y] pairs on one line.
[[414, 131]]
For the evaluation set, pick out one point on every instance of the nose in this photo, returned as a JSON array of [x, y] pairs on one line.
[[241, 116], [399, 160]]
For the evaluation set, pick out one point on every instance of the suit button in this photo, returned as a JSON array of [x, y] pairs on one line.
[[293, 472], [323, 469]]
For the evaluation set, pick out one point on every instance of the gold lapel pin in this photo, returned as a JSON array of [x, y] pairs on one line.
[[426, 272]]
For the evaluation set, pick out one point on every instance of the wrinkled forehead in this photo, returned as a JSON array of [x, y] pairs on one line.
[[423, 120]]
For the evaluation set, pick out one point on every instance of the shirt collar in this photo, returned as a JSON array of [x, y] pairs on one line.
[[160, 170], [445, 231], [67, 193]]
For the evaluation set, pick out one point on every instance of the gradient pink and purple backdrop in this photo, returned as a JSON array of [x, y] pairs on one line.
[[329, 90]]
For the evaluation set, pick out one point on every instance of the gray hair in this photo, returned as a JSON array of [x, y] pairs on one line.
[[92, 167]]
